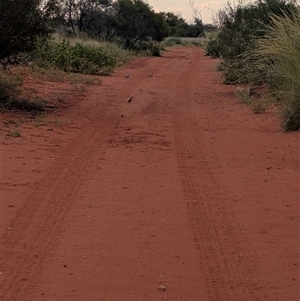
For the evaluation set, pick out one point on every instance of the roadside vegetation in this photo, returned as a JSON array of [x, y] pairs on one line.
[[10, 98], [79, 58], [258, 46]]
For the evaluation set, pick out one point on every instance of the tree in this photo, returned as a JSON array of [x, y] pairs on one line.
[[180, 28], [136, 22], [197, 18], [87, 16], [21, 23]]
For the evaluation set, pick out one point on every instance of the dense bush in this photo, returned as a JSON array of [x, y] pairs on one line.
[[169, 42], [241, 26], [259, 44], [154, 49], [135, 22], [8, 86], [10, 95], [273, 67], [21, 23], [79, 58], [279, 52]]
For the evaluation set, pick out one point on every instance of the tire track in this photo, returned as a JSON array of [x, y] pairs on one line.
[[34, 231], [214, 226], [39, 222]]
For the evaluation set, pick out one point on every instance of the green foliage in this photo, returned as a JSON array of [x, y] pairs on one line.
[[176, 41], [9, 95], [155, 49], [21, 23], [291, 116], [214, 48], [275, 63], [117, 51], [256, 102], [259, 106], [15, 133], [113, 49], [22, 104], [244, 95], [78, 58], [135, 22], [81, 16], [169, 42], [241, 27], [279, 52], [180, 28], [9, 87]]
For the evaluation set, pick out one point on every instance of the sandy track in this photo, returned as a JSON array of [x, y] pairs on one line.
[[183, 188]]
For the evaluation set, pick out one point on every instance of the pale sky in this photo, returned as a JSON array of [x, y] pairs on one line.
[[206, 7]]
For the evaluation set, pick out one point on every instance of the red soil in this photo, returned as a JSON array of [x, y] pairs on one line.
[[182, 189]]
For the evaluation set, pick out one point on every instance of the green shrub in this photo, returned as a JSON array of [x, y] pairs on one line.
[[170, 42], [241, 26], [259, 105], [78, 59], [9, 95], [148, 48], [155, 49], [9, 86], [9, 83], [214, 48], [176, 41], [279, 52], [22, 104], [14, 133], [117, 51], [244, 95], [291, 116]]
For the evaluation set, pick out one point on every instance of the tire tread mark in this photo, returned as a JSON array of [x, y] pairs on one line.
[[213, 224], [40, 220]]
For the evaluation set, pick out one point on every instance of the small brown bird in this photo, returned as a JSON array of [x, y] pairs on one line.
[[127, 75]]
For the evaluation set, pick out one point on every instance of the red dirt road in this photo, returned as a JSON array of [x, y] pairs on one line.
[[182, 188]]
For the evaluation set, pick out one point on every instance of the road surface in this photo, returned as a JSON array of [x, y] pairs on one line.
[[159, 185]]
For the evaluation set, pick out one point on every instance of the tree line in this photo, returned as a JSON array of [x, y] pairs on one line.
[[129, 22]]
